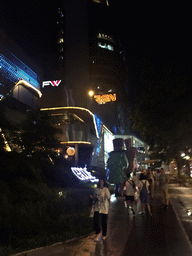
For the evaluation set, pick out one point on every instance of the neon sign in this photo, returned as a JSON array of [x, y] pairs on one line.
[[53, 83], [102, 99], [83, 174]]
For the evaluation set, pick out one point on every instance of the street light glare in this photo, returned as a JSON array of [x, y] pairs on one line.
[[91, 93]]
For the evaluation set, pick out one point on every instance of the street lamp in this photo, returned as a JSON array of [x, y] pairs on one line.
[[91, 93]]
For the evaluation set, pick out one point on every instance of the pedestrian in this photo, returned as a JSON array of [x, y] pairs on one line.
[[129, 192], [135, 178], [151, 182], [144, 193], [163, 184], [154, 175], [101, 202]]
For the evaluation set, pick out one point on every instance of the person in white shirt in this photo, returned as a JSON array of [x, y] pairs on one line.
[[101, 201], [129, 192]]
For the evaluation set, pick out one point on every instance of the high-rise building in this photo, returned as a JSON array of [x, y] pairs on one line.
[[107, 67], [90, 59]]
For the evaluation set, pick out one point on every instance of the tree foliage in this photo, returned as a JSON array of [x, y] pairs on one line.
[[4, 124], [37, 132], [163, 115]]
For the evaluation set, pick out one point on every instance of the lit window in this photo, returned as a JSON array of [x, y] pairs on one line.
[[105, 37], [61, 40], [106, 46], [110, 47]]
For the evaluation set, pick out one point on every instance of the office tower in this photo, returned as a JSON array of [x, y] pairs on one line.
[[107, 66], [89, 59]]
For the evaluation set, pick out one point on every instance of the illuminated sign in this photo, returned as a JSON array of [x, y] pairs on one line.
[[83, 174], [102, 99], [53, 83]]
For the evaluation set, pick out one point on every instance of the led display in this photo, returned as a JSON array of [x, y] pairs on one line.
[[16, 70]]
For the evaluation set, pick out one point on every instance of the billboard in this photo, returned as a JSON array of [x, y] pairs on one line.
[[105, 98]]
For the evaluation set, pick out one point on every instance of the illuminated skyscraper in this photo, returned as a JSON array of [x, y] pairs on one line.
[[107, 66], [89, 58]]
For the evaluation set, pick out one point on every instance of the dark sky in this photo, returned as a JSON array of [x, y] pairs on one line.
[[160, 30], [29, 23]]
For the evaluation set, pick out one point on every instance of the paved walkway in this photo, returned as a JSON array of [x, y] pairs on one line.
[[157, 236], [181, 200], [163, 234]]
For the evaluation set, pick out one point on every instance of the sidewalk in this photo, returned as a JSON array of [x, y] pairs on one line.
[[164, 234], [86, 246]]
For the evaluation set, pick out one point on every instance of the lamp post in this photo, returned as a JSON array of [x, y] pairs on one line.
[[89, 100], [91, 93]]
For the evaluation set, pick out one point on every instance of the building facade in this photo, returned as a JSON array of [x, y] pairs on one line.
[[89, 59], [20, 78]]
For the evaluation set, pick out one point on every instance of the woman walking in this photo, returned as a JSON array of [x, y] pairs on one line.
[[101, 201], [144, 194], [129, 192]]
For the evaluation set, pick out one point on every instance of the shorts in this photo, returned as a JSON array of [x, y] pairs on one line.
[[129, 198]]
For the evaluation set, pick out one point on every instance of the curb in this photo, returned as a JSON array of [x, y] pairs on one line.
[[24, 253], [77, 238]]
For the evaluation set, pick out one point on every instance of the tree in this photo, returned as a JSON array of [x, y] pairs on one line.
[[4, 124], [37, 132], [164, 113]]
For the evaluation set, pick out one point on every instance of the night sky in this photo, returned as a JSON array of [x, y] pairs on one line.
[[157, 30]]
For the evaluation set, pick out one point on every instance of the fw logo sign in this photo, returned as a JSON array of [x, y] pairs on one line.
[[53, 83]]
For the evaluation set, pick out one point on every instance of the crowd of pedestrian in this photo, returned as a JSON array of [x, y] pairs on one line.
[[143, 185], [137, 187]]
